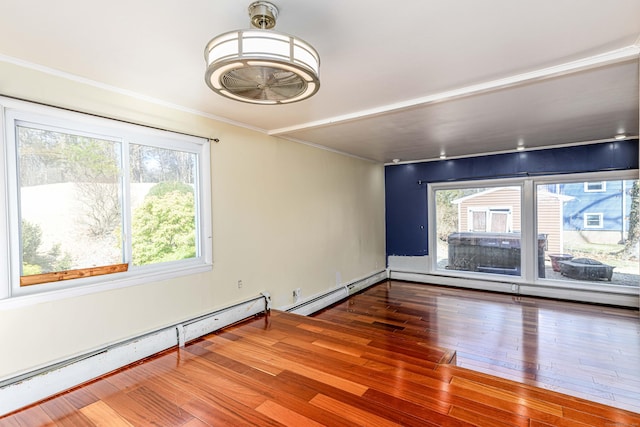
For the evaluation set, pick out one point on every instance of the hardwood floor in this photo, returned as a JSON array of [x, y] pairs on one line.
[[583, 350], [380, 358]]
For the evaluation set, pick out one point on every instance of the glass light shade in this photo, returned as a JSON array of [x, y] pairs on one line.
[[262, 67]]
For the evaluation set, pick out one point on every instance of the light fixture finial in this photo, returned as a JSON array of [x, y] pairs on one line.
[[263, 15]]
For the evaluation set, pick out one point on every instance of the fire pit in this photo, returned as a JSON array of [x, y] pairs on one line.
[[556, 258], [586, 269]]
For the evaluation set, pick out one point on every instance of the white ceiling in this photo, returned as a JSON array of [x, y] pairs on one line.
[[407, 79]]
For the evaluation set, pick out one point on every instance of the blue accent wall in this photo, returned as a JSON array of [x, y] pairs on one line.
[[406, 185]]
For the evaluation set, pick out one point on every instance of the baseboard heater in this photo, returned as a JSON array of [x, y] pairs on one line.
[[318, 302], [31, 387]]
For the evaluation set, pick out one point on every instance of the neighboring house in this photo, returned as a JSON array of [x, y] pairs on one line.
[[497, 210], [597, 211], [550, 214], [571, 213]]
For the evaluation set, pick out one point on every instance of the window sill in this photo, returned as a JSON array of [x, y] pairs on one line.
[[507, 280], [136, 277]]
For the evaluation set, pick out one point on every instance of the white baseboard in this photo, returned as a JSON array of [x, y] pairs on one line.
[[30, 388], [450, 281], [569, 294], [417, 264], [320, 301]]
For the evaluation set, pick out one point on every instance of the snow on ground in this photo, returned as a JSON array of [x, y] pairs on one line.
[[56, 208]]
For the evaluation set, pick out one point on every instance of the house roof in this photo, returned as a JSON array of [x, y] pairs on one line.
[[481, 194], [405, 80], [542, 193]]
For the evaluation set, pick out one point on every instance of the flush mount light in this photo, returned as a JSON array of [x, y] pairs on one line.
[[620, 136], [261, 66]]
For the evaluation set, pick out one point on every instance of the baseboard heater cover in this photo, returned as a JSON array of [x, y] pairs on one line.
[[358, 285], [29, 388], [321, 301], [212, 322]]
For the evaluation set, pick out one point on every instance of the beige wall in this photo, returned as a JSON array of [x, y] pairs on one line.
[[285, 216]]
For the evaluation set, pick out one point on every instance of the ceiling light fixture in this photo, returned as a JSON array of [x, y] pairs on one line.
[[620, 136], [443, 156], [260, 66]]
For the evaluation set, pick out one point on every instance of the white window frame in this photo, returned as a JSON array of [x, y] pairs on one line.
[[600, 217], [602, 189], [14, 111], [495, 183]]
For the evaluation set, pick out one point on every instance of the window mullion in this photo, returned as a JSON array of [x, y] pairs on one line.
[[126, 202], [431, 224], [529, 234]]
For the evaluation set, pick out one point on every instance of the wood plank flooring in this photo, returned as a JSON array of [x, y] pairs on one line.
[[583, 350], [379, 358]]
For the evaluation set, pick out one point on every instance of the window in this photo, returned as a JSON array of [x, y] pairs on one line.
[[545, 231], [595, 187], [91, 200], [70, 200], [478, 229], [592, 220], [590, 235]]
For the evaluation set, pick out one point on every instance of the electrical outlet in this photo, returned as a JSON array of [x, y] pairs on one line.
[[239, 284], [296, 294]]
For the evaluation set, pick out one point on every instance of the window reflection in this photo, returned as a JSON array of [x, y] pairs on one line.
[[592, 230]]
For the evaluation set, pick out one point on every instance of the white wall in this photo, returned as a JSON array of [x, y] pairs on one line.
[[285, 216]]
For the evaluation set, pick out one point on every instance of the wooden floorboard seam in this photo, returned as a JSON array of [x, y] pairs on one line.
[[375, 359]]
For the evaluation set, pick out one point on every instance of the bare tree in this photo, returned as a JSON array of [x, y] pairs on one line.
[[634, 217]]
